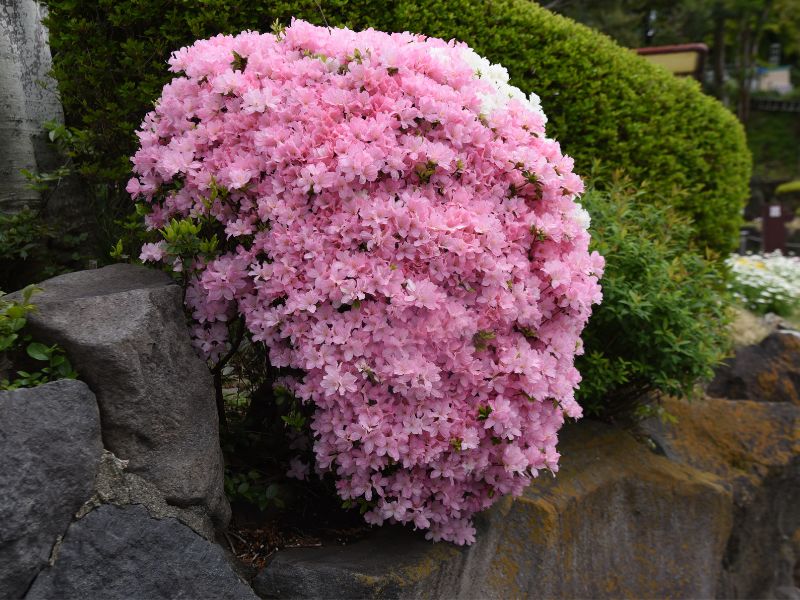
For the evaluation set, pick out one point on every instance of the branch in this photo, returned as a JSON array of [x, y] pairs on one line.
[[553, 5]]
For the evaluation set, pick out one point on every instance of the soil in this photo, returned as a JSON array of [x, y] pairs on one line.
[[255, 536]]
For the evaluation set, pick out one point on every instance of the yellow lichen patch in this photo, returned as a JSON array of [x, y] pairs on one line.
[[774, 386], [733, 438], [503, 576], [614, 522], [430, 564]]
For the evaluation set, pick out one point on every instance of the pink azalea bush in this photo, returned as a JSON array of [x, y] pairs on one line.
[[398, 227]]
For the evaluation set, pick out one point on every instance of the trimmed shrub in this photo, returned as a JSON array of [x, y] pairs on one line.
[[662, 324], [603, 100]]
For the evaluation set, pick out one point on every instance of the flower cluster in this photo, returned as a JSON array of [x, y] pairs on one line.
[[398, 229], [766, 282]]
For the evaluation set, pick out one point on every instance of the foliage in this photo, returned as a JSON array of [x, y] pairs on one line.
[[661, 325], [773, 139], [741, 34], [32, 249], [388, 217], [259, 442], [602, 100], [766, 282], [626, 21], [21, 236], [17, 349], [790, 187]]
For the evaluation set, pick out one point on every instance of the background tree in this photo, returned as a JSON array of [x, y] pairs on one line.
[[738, 32]]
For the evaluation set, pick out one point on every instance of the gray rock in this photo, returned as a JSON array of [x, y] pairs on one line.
[[766, 372], [114, 485], [122, 552], [124, 330], [754, 450], [50, 447], [392, 563], [787, 593]]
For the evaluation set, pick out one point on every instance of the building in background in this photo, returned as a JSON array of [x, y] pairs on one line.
[[776, 79], [684, 60]]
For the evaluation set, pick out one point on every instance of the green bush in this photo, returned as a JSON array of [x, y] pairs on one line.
[[774, 138], [23, 238], [662, 324], [790, 187], [660, 327], [24, 362], [602, 100], [32, 249]]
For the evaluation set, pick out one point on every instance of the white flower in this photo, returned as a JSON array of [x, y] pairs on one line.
[[494, 74], [770, 281], [582, 217]]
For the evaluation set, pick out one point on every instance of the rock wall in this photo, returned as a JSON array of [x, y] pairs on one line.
[[124, 329], [73, 529], [50, 440], [112, 488], [768, 371], [617, 521]]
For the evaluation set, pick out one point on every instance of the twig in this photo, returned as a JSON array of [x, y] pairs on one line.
[[230, 543], [322, 13], [237, 536]]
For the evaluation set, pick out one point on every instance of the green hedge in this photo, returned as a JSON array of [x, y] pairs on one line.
[[602, 100]]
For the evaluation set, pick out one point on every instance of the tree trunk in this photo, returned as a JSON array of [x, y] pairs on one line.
[[28, 99], [719, 53], [23, 106], [746, 67]]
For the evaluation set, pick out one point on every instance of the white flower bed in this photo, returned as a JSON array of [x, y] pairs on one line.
[[766, 282]]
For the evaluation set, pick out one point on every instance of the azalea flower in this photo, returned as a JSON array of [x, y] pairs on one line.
[[402, 235]]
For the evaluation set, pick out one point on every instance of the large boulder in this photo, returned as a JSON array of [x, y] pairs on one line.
[[754, 449], [618, 521], [122, 552], [50, 447], [768, 372], [124, 330]]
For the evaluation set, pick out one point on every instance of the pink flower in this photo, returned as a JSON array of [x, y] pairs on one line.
[[238, 228], [336, 382], [239, 177], [133, 187], [514, 459], [297, 469], [152, 252]]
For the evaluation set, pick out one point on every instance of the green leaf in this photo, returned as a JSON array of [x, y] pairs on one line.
[[38, 351]]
